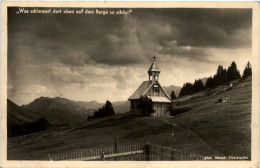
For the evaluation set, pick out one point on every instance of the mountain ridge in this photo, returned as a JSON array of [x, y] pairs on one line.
[[60, 110]]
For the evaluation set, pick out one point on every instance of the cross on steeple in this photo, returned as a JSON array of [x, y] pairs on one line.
[[154, 57], [154, 70]]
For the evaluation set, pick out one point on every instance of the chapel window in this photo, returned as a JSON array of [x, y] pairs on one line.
[[156, 88]]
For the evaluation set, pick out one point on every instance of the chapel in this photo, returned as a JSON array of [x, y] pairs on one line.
[[152, 89]]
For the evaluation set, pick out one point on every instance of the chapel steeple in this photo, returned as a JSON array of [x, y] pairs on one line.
[[154, 70]]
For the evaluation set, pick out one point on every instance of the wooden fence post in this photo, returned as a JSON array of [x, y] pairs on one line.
[[147, 151], [172, 155], [81, 154], [116, 142], [103, 155]]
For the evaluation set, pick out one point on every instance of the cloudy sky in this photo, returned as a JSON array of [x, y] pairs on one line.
[[96, 57]]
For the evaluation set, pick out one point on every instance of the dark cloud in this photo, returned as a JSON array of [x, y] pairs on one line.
[[118, 48], [206, 27], [115, 39], [53, 53]]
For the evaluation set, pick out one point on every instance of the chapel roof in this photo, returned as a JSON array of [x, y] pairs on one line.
[[159, 99], [144, 87]]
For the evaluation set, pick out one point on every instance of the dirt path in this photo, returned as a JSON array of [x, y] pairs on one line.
[[193, 134]]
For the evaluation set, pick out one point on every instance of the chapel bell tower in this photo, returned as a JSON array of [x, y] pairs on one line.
[[154, 71]]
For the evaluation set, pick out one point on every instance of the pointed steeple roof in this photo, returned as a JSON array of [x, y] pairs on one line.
[[154, 67]]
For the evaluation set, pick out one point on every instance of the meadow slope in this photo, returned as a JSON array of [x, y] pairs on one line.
[[209, 128]]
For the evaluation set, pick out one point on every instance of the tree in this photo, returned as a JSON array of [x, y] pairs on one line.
[[197, 86], [247, 71], [146, 106], [187, 89], [218, 80], [233, 73], [209, 83], [41, 124], [109, 110], [173, 96], [224, 76], [220, 77], [106, 110]]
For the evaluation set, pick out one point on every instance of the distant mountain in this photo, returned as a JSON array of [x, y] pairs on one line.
[[116, 103], [89, 105], [60, 110], [121, 106], [20, 115], [169, 89]]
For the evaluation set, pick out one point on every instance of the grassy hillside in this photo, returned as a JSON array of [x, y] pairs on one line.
[[224, 126], [20, 115], [209, 128]]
